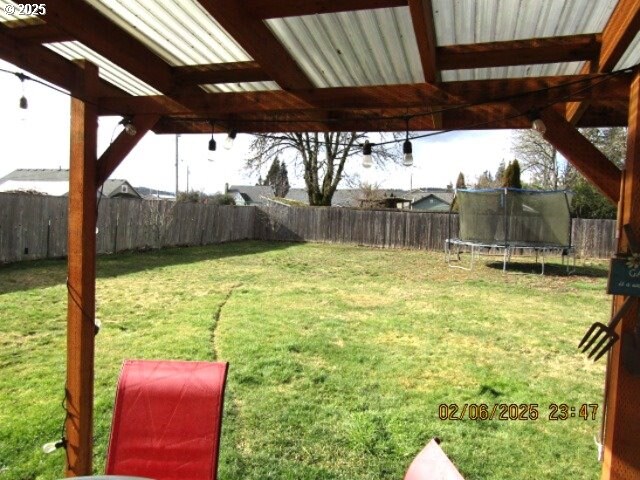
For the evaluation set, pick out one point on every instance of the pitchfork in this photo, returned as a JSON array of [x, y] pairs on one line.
[[605, 335]]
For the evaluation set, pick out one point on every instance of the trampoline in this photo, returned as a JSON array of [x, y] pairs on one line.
[[504, 221]]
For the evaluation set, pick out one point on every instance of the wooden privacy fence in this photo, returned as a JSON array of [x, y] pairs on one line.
[[33, 226]]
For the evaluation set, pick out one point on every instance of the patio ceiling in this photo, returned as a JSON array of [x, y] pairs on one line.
[[301, 65]]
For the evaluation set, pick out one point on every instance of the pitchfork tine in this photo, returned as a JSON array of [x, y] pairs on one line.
[[587, 335], [603, 341], [595, 337], [606, 348]]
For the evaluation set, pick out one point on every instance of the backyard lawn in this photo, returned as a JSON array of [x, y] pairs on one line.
[[340, 357]]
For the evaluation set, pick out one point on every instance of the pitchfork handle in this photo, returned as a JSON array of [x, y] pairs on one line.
[[621, 312]]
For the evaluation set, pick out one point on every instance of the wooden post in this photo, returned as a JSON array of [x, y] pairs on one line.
[[81, 273], [622, 427]]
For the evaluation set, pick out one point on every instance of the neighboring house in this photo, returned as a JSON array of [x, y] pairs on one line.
[[427, 199], [250, 195], [55, 182], [434, 201], [155, 194]]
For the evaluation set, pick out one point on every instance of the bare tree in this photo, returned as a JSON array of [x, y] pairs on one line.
[[540, 160], [322, 156]]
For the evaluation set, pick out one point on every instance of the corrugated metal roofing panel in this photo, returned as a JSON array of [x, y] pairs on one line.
[[632, 55], [10, 12], [240, 87], [476, 21], [542, 70], [353, 48], [108, 70], [180, 31]]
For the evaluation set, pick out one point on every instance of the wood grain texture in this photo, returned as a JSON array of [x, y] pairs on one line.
[[592, 163], [622, 455], [81, 276]]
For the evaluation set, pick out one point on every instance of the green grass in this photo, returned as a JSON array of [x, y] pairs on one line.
[[339, 357]]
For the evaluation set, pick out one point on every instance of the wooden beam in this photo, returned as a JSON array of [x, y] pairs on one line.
[[294, 8], [81, 276], [622, 431], [530, 91], [592, 163], [425, 32], [232, 72], [621, 29], [570, 48], [122, 146], [259, 42], [89, 26], [37, 33], [44, 63]]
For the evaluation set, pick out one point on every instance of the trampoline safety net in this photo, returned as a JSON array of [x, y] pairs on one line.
[[513, 217]]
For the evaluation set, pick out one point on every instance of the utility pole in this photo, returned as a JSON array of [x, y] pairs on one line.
[[177, 154]]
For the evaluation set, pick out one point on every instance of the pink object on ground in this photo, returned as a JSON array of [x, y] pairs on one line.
[[432, 464], [167, 420]]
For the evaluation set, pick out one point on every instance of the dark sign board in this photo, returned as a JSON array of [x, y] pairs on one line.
[[624, 278]]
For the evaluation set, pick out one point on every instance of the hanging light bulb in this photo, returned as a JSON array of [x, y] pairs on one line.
[[366, 155], [24, 104], [539, 126], [407, 149], [212, 142], [53, 446], [228, 143], [129, 127]]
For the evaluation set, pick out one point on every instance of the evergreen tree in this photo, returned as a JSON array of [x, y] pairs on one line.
[[272, 174], [460, 183], [281, 185], [511, 177]]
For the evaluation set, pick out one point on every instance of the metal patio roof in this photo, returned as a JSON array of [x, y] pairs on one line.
[[303, 65]]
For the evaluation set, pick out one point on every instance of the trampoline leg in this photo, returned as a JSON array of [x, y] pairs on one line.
[[506, 257]]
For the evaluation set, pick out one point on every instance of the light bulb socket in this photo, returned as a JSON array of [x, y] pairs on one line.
[[24, 104], [212, 144]]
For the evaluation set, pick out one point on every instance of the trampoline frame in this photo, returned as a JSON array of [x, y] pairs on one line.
[[508, 248]]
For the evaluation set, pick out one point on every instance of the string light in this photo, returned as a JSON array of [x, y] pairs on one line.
[[53, 446], [129, 127], [366, 155], [228, 143], [24, 104], [539, 126], [212, 142], [408, 153], [407, 149]]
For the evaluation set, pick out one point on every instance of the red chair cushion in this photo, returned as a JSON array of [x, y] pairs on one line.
[[432, 464], [167, 420]]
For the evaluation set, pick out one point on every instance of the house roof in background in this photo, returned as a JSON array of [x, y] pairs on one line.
[[56, 182], [258, 194]]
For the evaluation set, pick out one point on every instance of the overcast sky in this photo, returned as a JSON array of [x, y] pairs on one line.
[[39, 138]]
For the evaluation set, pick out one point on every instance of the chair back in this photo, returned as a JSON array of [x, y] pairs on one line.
[[167, 420], [432, 464]]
